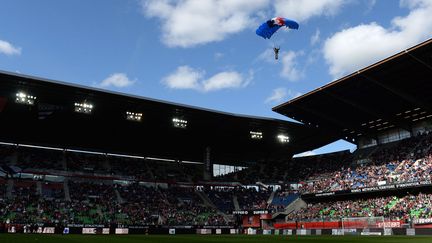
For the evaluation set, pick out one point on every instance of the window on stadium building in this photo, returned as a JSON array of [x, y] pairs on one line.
[[393, 135], [220, 170]]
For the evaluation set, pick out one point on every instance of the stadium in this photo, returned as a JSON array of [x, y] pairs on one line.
[[77, 160], [215, 121]]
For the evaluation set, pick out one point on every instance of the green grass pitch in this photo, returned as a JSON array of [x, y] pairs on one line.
[[21, 238]]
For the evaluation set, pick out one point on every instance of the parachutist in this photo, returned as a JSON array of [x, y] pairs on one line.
[[268, 28], [276, 52]]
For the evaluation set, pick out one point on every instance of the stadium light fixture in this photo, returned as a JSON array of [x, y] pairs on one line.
[[133, 116], [256, 135], [283, 138], [179, 123], [24, 98], [84, 107]]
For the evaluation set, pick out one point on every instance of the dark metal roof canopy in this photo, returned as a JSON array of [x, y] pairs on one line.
[[51, 121], [393, 93]]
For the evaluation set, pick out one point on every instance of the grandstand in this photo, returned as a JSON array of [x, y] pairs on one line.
[[80, 160]]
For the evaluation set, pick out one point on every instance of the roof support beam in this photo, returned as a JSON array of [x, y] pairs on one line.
[[411, 99], [368, 111], [419, 61], [336, 124]]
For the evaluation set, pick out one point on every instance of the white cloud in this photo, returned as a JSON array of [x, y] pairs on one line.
[[8, 49], [290, 69], [356, 47], [312, 57], [304, 10], [277, 96], [280, 94], [290, 66], [267, 56], [186, 77], [305, 154], [188, 23], [315, 38], [414, 3], [224, 80], [118, 80]]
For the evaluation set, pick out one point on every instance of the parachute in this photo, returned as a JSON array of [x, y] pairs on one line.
[[267, 29]]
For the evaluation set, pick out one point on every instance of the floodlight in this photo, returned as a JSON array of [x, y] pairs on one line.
[[25, 99], [256, 135], [83, 107], [133, 116], [283, 138], [179, 123]]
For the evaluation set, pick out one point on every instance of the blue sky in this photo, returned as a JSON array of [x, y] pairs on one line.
[[205, 52]]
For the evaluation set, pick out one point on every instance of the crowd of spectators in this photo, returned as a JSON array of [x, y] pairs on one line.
[[97, 202], [91, 163], [252, 198], [52, 190], [2, 188], [294, 170], [407, 160], [282, 198], [30, 159], [105, 204], [410, 160], [391, 207], [248, 198], [39, 159], [222, 198]]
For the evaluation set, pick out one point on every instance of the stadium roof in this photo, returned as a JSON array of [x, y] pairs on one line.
[[393, 93], [52, 121]]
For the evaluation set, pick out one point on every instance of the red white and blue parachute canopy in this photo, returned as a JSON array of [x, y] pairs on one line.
[[267, 29]]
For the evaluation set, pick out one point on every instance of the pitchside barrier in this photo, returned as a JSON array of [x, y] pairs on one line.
[[362, 231], [119, 229], [349, 223], [213, 230]]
